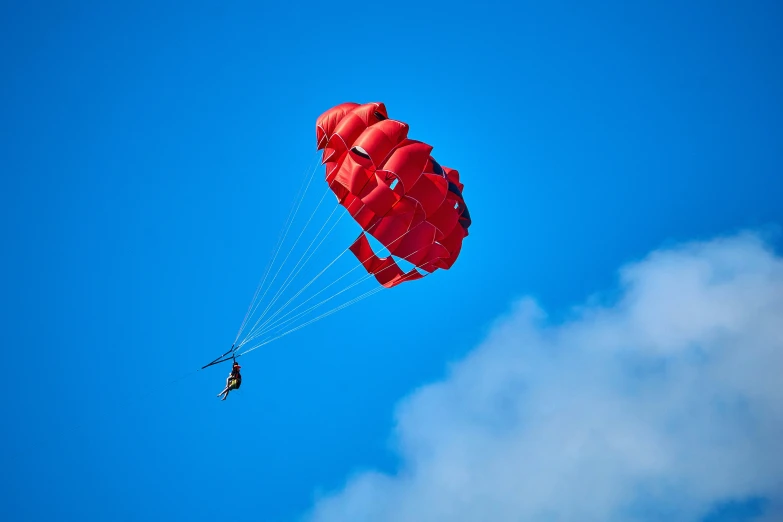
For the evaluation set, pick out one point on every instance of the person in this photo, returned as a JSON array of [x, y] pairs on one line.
[[233, 381]]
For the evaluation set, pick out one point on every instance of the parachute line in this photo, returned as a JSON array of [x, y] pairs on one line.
[[326, 314], [295, 205], [327, 286], [311, 321], [295, 271], [300, 314], [288, 255]]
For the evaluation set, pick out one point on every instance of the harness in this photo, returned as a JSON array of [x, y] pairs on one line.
[[236, 377]]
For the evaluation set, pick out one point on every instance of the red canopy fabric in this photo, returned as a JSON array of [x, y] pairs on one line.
[[394, 189]]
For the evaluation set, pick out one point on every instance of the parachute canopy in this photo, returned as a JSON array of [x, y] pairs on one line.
[[394, 189]]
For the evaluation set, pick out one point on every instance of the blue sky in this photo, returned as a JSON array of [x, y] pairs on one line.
[[150, 155]]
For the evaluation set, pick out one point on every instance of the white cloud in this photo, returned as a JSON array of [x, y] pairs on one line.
[[654, 407]]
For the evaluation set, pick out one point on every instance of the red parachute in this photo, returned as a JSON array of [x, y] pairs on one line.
[[394, 189]]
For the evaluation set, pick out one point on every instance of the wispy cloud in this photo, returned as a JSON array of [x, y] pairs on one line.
[[657, 406]]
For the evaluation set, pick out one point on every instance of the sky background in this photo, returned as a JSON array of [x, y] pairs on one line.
[[150, 155]]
